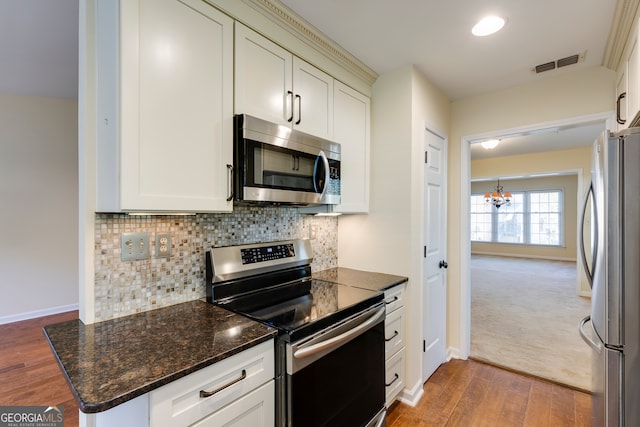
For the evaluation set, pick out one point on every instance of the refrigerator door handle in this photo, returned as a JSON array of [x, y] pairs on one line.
[[595, 345], [585, 202]]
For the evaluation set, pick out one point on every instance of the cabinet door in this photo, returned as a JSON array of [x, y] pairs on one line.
[[351, 123], [176, 106], [621, 102], [263, 83], [633, 84], [313, 100]]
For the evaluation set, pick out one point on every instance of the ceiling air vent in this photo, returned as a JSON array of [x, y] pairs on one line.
[[545, 67], [569, 60]]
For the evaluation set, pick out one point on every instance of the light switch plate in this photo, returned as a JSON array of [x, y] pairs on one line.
[[134, 246]]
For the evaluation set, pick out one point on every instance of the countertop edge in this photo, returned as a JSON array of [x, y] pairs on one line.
[[94, 408], [101, 406]]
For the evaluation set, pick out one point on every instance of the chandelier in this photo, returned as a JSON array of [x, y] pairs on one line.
[[497, 198]]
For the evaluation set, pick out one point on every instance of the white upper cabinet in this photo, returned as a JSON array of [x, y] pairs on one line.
[[274, 85], [351, 123], [164, 106], [628, 83]]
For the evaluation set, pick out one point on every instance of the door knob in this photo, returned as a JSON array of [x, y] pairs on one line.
[[443, 264]]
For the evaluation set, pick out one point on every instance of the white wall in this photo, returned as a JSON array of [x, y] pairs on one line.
[[565, 96], [389, 238], [38, 206]]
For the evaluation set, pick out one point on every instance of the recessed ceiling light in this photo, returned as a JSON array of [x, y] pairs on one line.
[[489, 144], [487, 26]]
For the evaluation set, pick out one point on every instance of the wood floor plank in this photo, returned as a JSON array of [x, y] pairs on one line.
[[583, 409], [510, 400], [539, 405], [562, 411]]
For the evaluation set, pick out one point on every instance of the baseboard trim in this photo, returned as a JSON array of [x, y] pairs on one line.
[[453, 353], [38, 313], [413, 395], [510, 255]]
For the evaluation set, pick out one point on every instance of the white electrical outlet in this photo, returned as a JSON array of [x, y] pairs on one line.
[[134, 246], [163, 245], [312, 231]]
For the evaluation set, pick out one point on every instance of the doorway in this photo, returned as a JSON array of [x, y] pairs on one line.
[[604, 119]]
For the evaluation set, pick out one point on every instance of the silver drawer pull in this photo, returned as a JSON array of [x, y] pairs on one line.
[[396, 376], [395, 334], [392, 301], [242, 376]]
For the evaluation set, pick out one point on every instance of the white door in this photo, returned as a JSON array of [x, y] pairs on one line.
[[434, 300]]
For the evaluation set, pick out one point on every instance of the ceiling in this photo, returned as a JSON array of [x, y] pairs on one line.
[[39, 45], [549, 140], [435, 36]]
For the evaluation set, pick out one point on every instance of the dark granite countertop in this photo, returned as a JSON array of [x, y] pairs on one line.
[[111, 362], [359, 278]]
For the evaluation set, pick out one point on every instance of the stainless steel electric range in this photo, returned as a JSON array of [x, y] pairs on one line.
[[330, 345]]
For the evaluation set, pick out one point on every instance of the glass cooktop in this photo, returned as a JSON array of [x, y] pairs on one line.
[[304, 307]]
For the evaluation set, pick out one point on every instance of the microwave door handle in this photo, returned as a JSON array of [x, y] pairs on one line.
[[583, 212], [327, 175]]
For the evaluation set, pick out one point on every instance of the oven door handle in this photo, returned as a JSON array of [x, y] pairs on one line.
[[339, 339]]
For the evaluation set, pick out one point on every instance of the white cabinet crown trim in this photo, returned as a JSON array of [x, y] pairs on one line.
[[625, 16], [283, 26]]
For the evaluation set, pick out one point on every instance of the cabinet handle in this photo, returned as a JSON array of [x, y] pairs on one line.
[[392, 301], [396, 376], [229, 182], [395, 334], [242, 376], [620, 98], [290, 102], [299, 98]]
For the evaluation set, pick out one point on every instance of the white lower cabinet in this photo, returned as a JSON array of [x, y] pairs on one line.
[[394, 377], [394, 342], [248, 395]]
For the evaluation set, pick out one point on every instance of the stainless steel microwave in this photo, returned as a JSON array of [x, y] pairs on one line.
[[274, 164]]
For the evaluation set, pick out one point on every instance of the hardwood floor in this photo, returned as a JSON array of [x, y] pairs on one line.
[[460, 393], [29, 373], [470, 393]]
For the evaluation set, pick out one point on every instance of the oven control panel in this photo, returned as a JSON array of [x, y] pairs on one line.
[[267, 253]]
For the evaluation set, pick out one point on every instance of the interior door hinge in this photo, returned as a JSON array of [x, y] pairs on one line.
[[426, 157], [424, 346], [424, 252]]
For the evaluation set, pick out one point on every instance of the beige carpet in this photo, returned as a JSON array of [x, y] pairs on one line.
[[525, 315]]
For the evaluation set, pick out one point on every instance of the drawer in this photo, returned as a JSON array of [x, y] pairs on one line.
[[393, 332], [394, 377], [394, 298], [256, 409], [179, 403]]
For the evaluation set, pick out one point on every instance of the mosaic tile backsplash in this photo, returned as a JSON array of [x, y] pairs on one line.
[[123, 288]]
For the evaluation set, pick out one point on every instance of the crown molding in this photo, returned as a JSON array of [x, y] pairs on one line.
[[624, 19], [282, 15]]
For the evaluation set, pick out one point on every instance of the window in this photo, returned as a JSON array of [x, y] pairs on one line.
[[533, 218]]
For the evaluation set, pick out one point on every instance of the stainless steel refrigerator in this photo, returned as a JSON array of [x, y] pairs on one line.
[[610, 248]]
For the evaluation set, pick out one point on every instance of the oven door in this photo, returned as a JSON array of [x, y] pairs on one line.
[[336, 377]]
